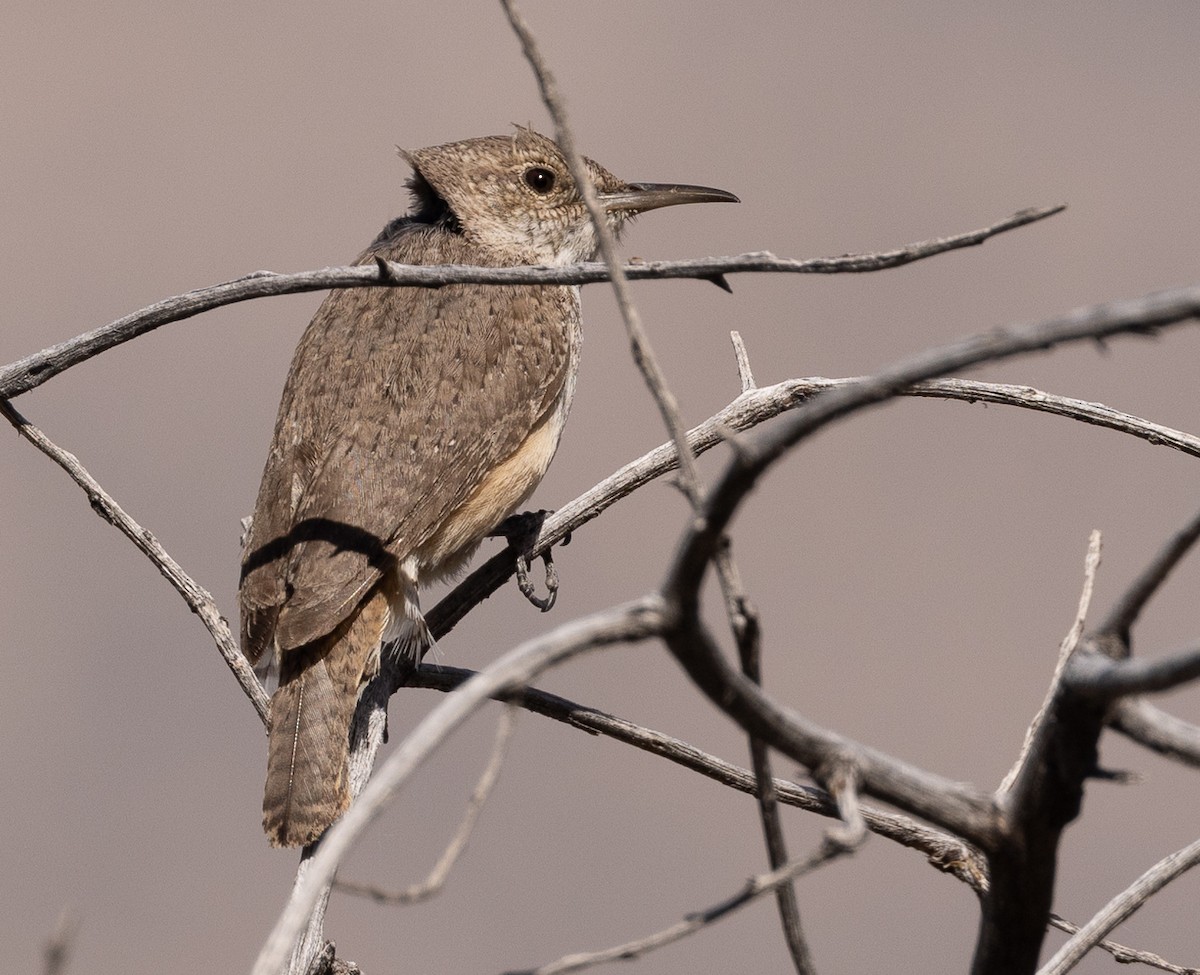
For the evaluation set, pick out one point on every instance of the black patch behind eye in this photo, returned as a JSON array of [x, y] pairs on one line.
[[428, 207]]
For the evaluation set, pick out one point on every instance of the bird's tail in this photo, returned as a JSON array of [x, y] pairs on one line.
[[308, 747]]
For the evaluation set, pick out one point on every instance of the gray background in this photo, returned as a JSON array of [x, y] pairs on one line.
[[915, 567]]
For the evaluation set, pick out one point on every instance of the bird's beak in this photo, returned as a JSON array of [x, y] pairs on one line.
[[640, 197]]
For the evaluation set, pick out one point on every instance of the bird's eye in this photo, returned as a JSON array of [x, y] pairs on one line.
[[539, 179]]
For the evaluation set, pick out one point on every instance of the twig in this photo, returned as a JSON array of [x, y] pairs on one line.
[[1121, 907], [754, 888], [1124, 614], [1069, 642], [643, 354], [1098, 676], [947, 853], [842, 783], [1026, 397], [745, 376], [621, 624], [1123, 953], [197, 598], [1047, 794], [1157, 730], [744, 623], [437, 876]]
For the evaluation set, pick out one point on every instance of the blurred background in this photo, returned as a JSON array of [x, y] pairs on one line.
[[915, 567]]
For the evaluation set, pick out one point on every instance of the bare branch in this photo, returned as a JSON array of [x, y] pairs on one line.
[[956, 807], [842, 783], [1065, 650], [622, 624], [1124, 954], [1159, 731], [745, 376], [197, 598], [1121, 907], [1027, 397], [945, 852], [1124, 614], [1047, 792], [1097, 675], [744, 621], [693, 647], [33, 370], [1038, 797], [1022, 844], [437, 876], [754, 888], [749, 410]]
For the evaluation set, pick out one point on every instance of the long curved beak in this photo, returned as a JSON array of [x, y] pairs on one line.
[[640, 197]]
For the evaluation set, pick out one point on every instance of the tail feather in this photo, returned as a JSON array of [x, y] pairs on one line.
[[308, 747]]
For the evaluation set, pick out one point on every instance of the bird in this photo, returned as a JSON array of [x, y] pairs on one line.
[[413, 421]]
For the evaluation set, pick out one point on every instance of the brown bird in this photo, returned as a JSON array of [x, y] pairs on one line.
[[412, 423]]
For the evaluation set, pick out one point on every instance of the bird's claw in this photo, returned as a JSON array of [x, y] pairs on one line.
[[528, 590], [521, 530]]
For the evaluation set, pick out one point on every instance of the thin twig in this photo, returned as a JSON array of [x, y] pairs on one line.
[[643, 354], [1124, 954], [1121, 907], [1069, 642], [1157, 730], [1096, 675], [754, 888], [197, 598], [745, 376], [842, 782], [436, 880], [747, 633], [1027, 397], [1124, 614], [668, 406]]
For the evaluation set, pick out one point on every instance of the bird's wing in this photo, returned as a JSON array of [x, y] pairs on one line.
[[398, 404]]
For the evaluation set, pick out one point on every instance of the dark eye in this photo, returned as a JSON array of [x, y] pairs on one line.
[[539, 179]]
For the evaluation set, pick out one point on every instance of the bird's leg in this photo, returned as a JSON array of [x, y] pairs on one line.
[[521, 530]]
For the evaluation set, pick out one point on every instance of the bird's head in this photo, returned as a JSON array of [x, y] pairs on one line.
[[514, 196]]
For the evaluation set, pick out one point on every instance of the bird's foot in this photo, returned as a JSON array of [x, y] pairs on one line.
[[522, 530]]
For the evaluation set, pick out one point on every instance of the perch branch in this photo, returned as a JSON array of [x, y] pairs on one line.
[[752, 409], [33, 370]]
